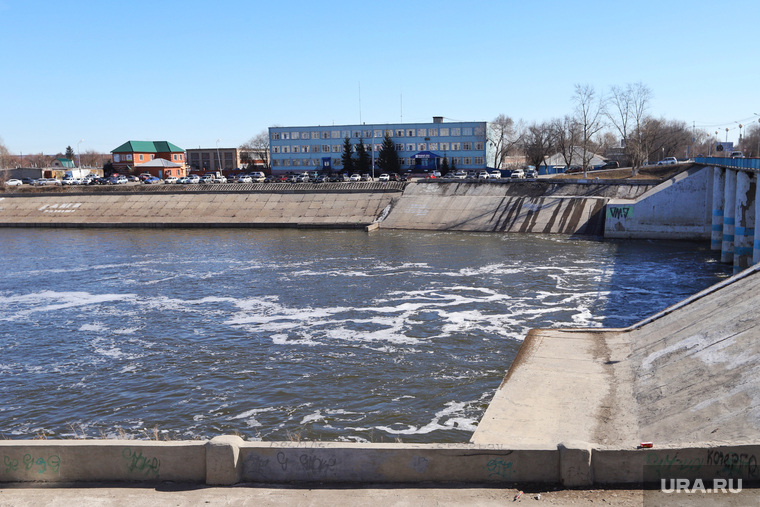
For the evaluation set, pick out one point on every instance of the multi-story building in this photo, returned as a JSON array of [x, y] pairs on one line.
[[421, 147], [133, 153], [214, 159]]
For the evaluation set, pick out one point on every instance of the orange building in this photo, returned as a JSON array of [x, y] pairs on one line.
[[134, 153]]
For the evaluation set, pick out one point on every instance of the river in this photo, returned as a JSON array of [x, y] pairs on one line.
[[281, 334]]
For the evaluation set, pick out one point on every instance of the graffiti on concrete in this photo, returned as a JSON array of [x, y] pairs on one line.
[[136, 462], [668, 465], [500, 468], [29, 462], [308, 463], [67, 207], [619, 212], [734, 464]]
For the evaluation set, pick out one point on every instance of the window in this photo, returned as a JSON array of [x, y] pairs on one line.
[[433, 146], [275, 149], [377, 147], [315, 135], [399, 147], [345, 133], [296, 149], [421, 147], [275, 163], [456, 131], [366, 134], [276, 136], [140, 157], [455, 146], [445, 146], [421, 132], [399, 133], [305, 135], [305, 149], [286, 149], [326, 148], [335, 149], [409, 132], [315, 149], [478, 146], [467, 131], [467, 146], [480, 131], [297, 162], [325, 135], [467, 160], [356, 134], [433, 132], [400, 161], [389, 132], [479, 160], [410, 147], [445, 131], [129, 156], [335, 134], [116, 157], [456, 160], [378, 133], [286, 162], [286, 135], [295, 135]]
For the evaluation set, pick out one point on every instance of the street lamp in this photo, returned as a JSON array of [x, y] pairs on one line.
[[79, 157], [218, 158], [726, 134]]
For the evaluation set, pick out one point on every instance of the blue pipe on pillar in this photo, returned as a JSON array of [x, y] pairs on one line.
[[744, 230], [727, 248], [718, 199]]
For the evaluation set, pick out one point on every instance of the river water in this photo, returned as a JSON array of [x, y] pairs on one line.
[[291, 334]]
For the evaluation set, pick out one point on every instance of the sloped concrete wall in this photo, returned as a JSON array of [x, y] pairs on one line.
[[680, 208], [306, 208]]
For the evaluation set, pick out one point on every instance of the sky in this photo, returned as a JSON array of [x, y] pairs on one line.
[[95, 74]]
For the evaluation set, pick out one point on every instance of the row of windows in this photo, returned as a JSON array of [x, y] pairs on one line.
[[367, 134], [336, 162], [338, 148], [142, 158]]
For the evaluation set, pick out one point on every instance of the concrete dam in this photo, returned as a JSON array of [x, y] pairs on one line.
[[576, 405]]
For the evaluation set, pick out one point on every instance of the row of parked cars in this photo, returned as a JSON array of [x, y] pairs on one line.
[[487, 175]]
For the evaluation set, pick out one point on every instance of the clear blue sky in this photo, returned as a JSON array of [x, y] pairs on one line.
[[193, 72]]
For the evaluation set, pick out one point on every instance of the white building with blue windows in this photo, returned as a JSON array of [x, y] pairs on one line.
[[421, 147]]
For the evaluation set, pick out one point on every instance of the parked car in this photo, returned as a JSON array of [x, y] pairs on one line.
[[27, 181], [144, 176], [355, 177], [612, 164], [394, 177], [483, 175], [460, 175], [517, 174], [193, 179], [494, 175], [384, 177], [13, 182], [220, 178], [153, 180], [366, 177], [70, 180], [736, 154], [244, 178], [257, 177], [668, 161], [531, 173], [170, 179]]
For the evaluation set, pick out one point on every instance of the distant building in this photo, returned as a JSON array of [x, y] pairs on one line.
[[421, 147], [162, 168], [62, 163], [133, 153]]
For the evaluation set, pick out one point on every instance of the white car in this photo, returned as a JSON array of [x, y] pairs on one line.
[[192, 180], [517, 174], [244, 179], [220, 179], [13, 183], [460, 175], [483, 175], [495, 175], [354, 177], [668, 161], [170, 179], [384, 177], [258, 177]]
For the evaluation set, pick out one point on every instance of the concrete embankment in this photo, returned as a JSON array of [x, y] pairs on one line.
[[339, 206], [544, 207]]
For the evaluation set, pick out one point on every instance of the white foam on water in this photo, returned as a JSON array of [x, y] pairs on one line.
[[450, 418], [51, 301], [96, 327]]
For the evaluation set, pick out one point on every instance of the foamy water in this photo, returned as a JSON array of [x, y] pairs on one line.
[[278, 334]]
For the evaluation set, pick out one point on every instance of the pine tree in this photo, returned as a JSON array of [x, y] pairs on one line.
[[69, 153], [364, 161], [445, 166], [387, 160], [347, 156]]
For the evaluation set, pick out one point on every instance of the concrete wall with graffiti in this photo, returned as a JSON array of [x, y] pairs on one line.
[[679, 208]]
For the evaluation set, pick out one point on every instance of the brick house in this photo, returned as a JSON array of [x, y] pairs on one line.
[[134, 153]]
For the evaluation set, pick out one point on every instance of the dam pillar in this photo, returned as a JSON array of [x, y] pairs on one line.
[[718, 200], [727, 247], [756, 240], [744, 229]]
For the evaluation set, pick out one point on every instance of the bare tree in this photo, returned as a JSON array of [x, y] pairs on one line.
[[589, 115], [5, 156], [538, 143], [628, 113], [256, 149], [506, 136], [566, 136]]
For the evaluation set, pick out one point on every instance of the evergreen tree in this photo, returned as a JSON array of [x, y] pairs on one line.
[[364, 161], [387, 160], [453, 166], [347, 156], [445, 166], [69, 153]]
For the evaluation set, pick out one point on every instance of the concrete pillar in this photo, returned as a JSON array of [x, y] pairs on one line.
[[744, 229], [727, 248], [718, 200], [756, 242], [223, 464]]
